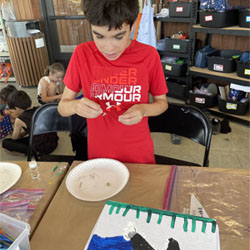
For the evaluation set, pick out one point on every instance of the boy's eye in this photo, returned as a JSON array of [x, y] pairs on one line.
[[99, 37], [119, 37]]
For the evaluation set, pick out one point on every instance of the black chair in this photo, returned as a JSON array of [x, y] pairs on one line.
[[46, 119], [187, 121]]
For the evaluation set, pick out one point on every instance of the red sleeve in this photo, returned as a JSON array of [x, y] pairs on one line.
[[72, 77], [158, 85]]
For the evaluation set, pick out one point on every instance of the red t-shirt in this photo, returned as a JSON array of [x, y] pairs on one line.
[[116, 86]]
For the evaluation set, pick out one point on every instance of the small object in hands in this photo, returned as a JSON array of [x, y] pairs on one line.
[[34, 170]]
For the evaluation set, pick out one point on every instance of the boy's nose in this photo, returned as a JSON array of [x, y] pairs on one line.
[[109, 47]]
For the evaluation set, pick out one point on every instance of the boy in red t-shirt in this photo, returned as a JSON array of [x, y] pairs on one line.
[[116, 75]]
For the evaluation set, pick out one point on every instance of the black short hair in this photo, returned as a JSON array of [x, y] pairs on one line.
[[19, 99], [111, 13], [5, 92]]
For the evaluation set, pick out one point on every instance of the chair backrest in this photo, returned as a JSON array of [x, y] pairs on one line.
[[186, 121], [46, 119]]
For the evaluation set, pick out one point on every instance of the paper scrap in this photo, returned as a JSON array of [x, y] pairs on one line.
[[196, 208]]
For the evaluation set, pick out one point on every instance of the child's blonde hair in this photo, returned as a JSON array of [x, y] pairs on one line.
[[55, 67]]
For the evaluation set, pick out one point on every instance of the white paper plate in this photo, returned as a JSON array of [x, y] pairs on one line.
[[9, 175], [97, 179]]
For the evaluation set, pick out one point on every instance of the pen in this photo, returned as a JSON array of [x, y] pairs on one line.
[[55, 168]]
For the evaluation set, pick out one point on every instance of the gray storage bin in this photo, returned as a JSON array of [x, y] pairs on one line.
[[180, 9], [177, 45], [222, 60], [22, 28]]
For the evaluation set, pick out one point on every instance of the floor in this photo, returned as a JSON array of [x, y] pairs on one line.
[[227, 150]]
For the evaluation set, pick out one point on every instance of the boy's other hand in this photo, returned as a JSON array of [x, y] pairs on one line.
[[133, 115], [88, 108]]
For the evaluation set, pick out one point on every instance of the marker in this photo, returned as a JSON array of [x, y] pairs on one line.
[[55, 168]]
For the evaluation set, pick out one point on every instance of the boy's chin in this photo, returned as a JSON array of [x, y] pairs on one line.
[[111, 58]]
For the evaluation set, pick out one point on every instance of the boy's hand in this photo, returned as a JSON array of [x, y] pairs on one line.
[[88, 108], [133, 115]]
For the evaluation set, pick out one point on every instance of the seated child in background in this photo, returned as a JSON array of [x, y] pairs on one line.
[[50, 87], [4, 95], [20, 103]]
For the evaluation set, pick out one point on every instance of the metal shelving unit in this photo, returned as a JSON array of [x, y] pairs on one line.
[[172, 19], [167, 53], [233, 30], [189, 55], [227, 77]]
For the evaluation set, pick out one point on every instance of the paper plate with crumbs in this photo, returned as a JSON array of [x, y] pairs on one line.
[[97, 179], [9, 175]]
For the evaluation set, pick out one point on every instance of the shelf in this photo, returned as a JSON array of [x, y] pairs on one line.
[[168, 53], [180, 78], [233, 30], [174, 19], [245, 118], [228, 77], [5, 53], [11, 79]]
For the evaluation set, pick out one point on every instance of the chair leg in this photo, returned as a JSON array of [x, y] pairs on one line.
[[35, 155], [31, 153]]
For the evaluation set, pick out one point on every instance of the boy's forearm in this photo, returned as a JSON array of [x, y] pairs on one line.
[[17, 130], [66, 107], [155, 108], [17, 134]]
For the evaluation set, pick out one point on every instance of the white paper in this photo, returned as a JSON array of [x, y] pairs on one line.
[[240, 87], [196, 208], [157, 235], [39, 43], [222, 92]]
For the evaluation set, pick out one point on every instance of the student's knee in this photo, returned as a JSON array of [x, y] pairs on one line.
[[51, 89]]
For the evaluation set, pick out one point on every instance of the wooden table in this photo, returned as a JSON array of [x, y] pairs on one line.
[[49, 180], [68, 222]]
